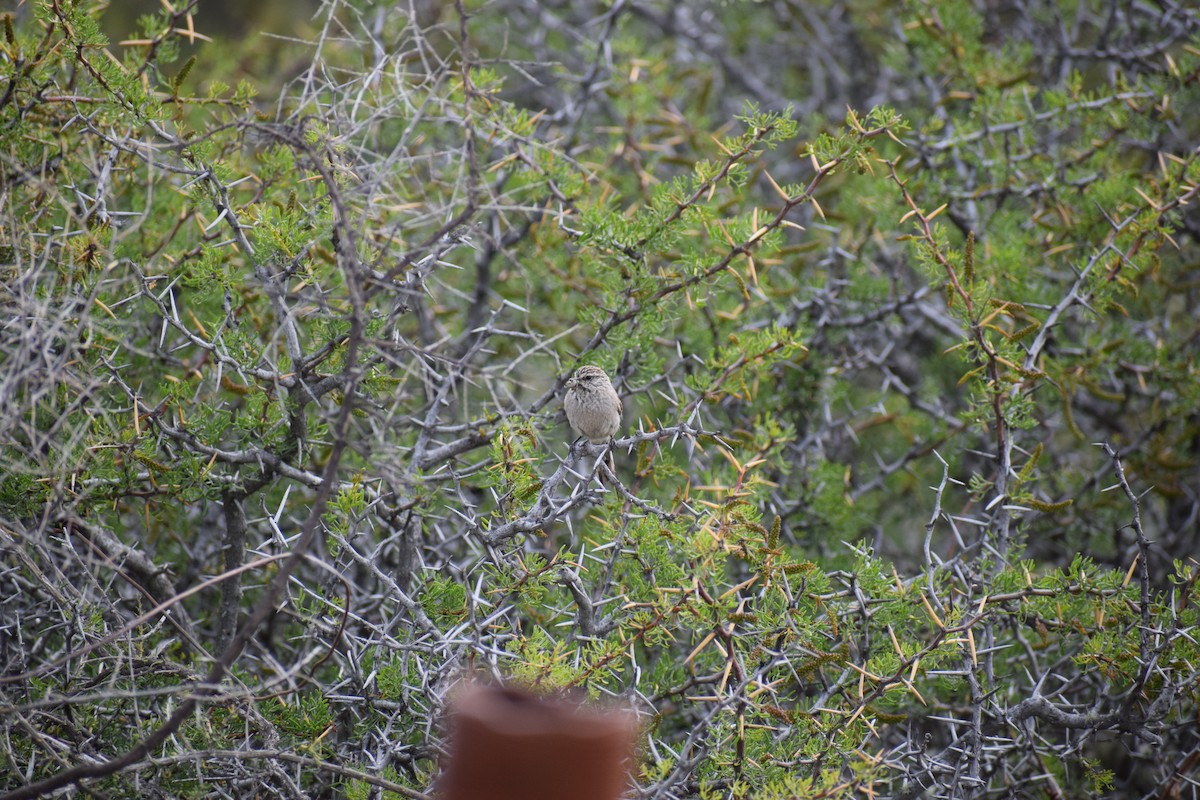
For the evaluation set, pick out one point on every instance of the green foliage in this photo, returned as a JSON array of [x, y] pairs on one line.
[[859, 541]]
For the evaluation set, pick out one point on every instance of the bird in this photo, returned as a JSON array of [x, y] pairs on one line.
[[593, 407]]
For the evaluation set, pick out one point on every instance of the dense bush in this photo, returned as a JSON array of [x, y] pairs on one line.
[[902, 302]]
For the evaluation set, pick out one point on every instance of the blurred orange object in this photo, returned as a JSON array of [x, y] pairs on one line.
[[507, 744]]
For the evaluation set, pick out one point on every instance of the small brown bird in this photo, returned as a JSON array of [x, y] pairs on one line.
[[593, 407]]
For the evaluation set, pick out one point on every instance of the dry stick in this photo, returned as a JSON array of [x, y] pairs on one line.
[[137, 569], [1123, 718], [1145, 658], [235, 554], [265, 608], [111, 637], [294, 758]]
